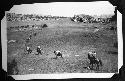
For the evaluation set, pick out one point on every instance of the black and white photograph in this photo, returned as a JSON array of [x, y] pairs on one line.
[[62, 37]]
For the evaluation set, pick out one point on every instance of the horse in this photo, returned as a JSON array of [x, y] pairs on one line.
[[58, 53], [94, 60], [98, 62], [29, 50], [38, 50]]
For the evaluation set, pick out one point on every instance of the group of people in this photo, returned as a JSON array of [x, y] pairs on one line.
[[38, 50], [28, 49], [91, 56]]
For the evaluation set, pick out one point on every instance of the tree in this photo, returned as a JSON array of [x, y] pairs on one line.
[[114, 17], [44, 26]]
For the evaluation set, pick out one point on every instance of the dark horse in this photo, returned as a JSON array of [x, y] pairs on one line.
[[38, 50], [94, 60], [58, 53]]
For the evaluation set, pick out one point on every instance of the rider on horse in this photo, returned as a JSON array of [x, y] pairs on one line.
[[38, 50], [28, 50], [93, 54], [58, 53], [94, 60]]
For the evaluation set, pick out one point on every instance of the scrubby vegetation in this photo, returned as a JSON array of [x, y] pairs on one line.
[[12, 68], [73, 39]]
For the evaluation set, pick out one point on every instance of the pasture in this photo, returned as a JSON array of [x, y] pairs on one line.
[[73, 39]]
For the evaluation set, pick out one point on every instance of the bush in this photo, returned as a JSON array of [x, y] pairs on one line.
[[12, 68], [112, 52], [44, 25], [116, 44]]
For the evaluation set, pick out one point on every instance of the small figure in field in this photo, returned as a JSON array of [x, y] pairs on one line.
[[28, 50], [38, 50], [28, 39], [93, 54], [34, 34], [30, 36], [58, 53]]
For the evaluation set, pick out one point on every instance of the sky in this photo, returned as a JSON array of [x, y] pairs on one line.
[[67, 9]]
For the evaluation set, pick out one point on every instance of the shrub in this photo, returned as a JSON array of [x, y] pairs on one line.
[[116, 44], [12, 68], [44, 25]]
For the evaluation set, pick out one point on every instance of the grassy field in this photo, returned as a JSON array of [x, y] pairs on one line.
[[73, 39]]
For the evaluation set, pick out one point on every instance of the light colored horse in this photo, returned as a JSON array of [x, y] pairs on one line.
[[58, 53]]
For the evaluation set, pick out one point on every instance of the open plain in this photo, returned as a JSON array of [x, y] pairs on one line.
[[73, 39]]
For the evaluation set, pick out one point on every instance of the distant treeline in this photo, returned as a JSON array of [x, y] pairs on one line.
[[30, 17], [77, 18], [27, 27], [90, 19]]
